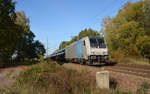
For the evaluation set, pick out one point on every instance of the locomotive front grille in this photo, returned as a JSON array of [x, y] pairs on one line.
[[98, 58]]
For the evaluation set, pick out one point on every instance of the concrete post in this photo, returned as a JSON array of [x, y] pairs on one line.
[[102, 79]]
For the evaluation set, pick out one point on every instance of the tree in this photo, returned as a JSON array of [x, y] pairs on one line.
[[63, 44], [27, 48], [16, 38], [129, 30], [8, 30], [86, 32]]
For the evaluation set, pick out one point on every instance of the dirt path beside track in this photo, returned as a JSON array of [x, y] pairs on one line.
[[8, 75]]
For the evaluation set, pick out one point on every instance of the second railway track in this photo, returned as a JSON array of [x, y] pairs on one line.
[[137, 70], [128, 77], [131, 69]]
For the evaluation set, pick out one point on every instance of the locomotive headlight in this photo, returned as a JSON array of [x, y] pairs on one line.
[[93, 57], [93, 53], [106, 57], [104, 53]]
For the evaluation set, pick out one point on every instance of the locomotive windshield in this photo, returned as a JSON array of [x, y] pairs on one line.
[[97, 43]]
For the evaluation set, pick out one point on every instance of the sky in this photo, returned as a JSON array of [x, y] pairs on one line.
[[54, 21]]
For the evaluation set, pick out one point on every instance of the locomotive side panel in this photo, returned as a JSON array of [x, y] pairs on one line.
[[77, 50], [71, 51]]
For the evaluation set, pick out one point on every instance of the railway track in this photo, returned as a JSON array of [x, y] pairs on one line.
[[145, 67], [137, 70], [145, 74], [131, 69], [141, 73]]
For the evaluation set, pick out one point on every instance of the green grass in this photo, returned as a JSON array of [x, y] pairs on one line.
[[139, 61]]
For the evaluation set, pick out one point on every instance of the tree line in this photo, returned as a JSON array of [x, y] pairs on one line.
[[127, 34], [16, 39], [86, 32]]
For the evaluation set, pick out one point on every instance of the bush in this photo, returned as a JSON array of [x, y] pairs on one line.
[[50, 78]]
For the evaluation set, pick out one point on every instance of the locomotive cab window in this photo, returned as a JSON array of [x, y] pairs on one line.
[[97, 43], [84, 42]]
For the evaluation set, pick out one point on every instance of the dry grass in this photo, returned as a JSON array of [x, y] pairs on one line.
[[50, 78]]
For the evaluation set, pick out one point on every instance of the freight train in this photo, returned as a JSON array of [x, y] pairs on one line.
[[88, 50]]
